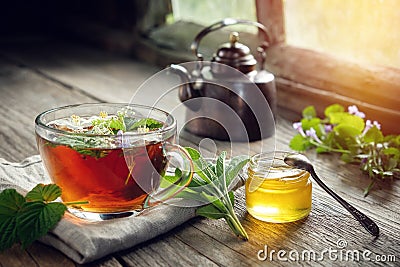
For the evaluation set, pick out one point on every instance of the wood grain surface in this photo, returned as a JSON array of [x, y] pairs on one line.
[[37, 76]]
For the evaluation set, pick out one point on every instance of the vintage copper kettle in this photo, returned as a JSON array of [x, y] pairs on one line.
[[228, 98]]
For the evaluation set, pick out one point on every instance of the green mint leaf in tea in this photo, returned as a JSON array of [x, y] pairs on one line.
[[148, 123]]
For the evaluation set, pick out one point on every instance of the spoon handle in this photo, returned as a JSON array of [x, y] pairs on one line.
[[363, 219]]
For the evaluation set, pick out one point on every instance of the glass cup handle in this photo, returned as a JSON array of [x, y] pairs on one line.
[[175, 155]]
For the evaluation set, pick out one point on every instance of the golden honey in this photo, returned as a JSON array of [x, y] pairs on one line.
[[275, 191]]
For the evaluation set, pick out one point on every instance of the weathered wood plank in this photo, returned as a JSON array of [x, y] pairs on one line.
[[40, 254], [165, 250], [16, 257], [23, 95]]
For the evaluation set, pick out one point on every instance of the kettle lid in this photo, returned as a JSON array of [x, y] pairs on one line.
[[236, 55]]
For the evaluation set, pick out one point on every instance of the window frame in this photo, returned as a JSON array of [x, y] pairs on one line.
[[306, 77]]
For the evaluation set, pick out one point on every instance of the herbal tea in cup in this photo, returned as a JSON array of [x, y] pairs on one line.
[[110, 156]]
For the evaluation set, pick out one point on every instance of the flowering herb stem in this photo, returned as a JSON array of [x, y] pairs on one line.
[[357, 140]]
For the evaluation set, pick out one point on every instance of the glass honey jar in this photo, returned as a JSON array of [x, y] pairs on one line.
[[275, 191]]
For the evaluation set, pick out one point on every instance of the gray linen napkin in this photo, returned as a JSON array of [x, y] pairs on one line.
[[87, 241]]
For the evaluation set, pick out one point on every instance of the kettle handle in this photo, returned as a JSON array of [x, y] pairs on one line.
[[223, 23]]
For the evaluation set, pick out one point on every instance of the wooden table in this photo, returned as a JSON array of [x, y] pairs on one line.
[[39, 75]]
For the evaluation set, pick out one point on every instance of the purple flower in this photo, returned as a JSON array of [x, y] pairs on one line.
[[354, 111], [313, 134], [369, 125], [328, 128], [297, 126]]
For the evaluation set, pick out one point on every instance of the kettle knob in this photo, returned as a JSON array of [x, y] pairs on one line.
[[244, 57]]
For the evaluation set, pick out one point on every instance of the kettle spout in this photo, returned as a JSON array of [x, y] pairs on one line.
[[188, 88], [181, 72]]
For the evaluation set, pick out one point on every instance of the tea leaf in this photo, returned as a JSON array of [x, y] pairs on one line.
[[149, 123]]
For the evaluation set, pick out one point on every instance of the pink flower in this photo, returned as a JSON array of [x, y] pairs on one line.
[[354, 111], [297, 126], [369, 125], [313, 134]]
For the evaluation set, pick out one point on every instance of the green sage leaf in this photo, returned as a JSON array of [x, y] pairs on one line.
[[210, 211]]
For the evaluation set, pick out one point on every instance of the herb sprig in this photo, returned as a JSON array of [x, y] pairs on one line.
[[25, 219], [357, 141], [105, 124], [210, 185]]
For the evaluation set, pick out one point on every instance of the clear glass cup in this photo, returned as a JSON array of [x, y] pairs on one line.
[[115, 174], [275, 191]]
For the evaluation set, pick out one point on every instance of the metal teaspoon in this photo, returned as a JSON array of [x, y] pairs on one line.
[[302, 162]]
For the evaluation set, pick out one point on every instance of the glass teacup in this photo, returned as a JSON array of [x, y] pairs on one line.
[[111, 157]]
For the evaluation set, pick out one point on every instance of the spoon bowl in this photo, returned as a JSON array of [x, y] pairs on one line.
[[302, 162]]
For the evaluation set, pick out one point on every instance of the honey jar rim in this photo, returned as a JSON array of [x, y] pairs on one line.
[[261, 163]]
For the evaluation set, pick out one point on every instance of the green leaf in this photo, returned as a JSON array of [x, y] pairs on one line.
[[201, 166], [10, 204], [36, 219], [299, 143], [306, 124], [149, 123], [333, 109], [373, 135], [321, 150], [309, 112], [344, 118], [210, 211], [392, 151], [43, 192], [195, 194], [220, 167], [345, 135], [314, 123], [236, 164], [346, 158], [117, 124], [232, 197]]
